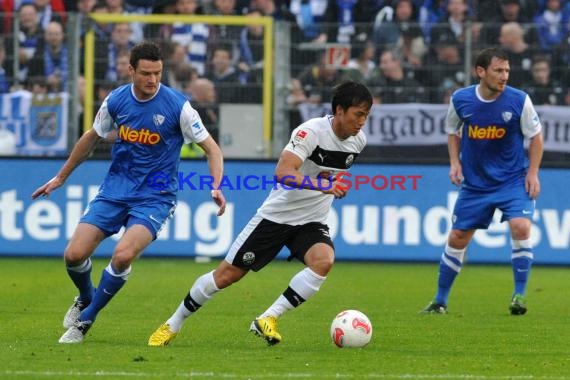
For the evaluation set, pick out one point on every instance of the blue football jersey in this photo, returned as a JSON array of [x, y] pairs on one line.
[[492, 135], [150, 134]]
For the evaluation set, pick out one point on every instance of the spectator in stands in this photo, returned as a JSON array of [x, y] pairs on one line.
[[175, 55], [390, 24], [183, 74], [122, 67], [241, 6], [38, 86], [194, 37], [203, 99], [362, 63], [225, 75], [119, 43], [444, 68], [542, 88], [225, 34], [431, 12], [160, 32], [50, 10], [273, 8], [310, 16], [454, 23], [29, 37], [512, 40], [391, 84], [84, 7], [102, 30], [318, 80], [280, 12], [251, 44], [551, 26], [139, 6], [510, 11], [102, 33], [118, 7], [411, 46], [346, 20], [201, 93], [296, 93], [485, 10], [251, 59], [51, 58], [561, 61]]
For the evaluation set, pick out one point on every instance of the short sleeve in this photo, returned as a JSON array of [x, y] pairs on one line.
[[191, 125], [452, 121], [302, 143], [103, 123], [530, 123]]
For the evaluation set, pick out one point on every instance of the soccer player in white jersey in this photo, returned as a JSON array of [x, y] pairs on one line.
[[151, 122], [293, 218], [487, 126]]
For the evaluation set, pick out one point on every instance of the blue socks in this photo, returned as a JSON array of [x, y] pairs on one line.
[[81, 277], [449, 267], [521, 260], [110, 284]]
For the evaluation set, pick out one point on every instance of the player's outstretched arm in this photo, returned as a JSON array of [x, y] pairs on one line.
[[79, 153], [216, 166]]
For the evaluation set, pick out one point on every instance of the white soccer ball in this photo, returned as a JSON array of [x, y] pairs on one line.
[[351, 328]]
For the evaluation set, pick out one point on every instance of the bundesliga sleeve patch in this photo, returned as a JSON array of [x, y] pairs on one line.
[[300, 136]]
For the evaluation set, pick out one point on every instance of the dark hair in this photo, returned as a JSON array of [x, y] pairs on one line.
[[486, 55], [145, 50], [350, 94]]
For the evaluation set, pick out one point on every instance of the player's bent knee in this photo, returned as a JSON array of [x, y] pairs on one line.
[[74, 256], [459, 239], [321, 263], [122, 259], [228, 274], [520, 230]]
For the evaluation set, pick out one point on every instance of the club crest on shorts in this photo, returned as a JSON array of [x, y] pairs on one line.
[[248, 258], [349, 161]]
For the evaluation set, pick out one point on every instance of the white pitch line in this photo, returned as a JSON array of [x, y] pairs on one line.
[[291, 375]]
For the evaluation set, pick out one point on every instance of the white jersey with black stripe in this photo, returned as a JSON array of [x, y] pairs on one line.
[[315, 143]]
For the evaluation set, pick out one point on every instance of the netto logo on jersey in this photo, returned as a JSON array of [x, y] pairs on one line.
[[142, 136], [491, 132]]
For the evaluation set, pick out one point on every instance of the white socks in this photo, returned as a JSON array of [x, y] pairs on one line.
[[203, 289], [302, 287]]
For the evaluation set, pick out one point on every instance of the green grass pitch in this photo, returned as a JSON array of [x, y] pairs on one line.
[[477, 340]]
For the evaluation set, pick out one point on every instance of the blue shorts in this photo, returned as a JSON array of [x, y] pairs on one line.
[[474, 209], [109, 216]]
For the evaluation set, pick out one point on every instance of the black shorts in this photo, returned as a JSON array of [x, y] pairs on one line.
[[261, 240]]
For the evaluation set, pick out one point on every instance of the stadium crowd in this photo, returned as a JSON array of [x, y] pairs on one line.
[[403, 50]]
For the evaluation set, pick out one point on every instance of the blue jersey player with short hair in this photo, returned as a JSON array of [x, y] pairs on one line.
[[150, 122], [487, 125]]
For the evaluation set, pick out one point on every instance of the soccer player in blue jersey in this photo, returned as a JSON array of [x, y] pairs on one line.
[[487, 125], [151, 122]]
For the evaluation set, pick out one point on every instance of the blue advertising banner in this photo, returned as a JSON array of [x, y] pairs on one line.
[[392, 212]]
